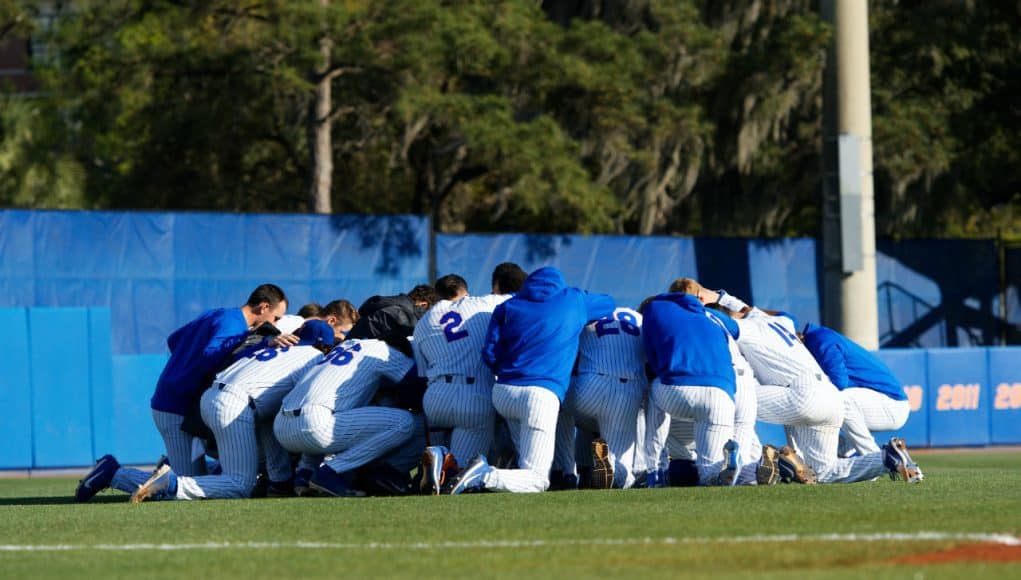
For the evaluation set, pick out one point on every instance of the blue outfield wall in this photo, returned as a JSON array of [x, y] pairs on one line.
[[155, 271], [70, 400]]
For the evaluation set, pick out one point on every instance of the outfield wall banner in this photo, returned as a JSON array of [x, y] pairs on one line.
[[911, 367], [1005, 392], [959, 393]]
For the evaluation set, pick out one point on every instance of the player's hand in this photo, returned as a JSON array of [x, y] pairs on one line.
[[284, 340], [707, 296]]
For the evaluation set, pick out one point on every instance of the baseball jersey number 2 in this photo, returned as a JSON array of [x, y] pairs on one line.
[[450, 321], [627, 322]]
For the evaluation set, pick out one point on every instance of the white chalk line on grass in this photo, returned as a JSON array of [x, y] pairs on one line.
[[1003, 539]]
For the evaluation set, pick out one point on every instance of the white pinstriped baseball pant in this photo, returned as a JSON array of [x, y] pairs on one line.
[[866, 411], [812, 411], [531, 414], [680, 441], [712, 410], [653, 430], [354, 437], [178, 444], [613, 406], [745, 413], [466, 409], [230, 417]]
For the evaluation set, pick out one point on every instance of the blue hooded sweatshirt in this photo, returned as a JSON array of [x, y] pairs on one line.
[[848, 364], [684, 346], [197, 351], [532, 338]]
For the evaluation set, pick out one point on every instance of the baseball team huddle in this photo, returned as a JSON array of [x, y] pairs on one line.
[[535, 386]]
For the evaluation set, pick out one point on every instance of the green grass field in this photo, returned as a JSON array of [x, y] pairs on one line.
[[779, 531]]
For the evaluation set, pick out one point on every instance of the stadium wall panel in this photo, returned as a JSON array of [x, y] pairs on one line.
[[15, 391]]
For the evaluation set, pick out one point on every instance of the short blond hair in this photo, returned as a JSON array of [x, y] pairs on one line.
[[686, 285]]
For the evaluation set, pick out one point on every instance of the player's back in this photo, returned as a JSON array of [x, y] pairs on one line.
[[773, 350], [349, 375], [613, 346], [269, 367], [448, 340]]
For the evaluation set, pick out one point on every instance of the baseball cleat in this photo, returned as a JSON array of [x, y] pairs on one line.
[[768, 472], [96, 480], [731, 464], [332, 483], [281, 489], [560, 481], [301, 477], [602, 469], [472, 477], [162, 485], [899, 463], [437, 462], [164, 460], [794, 469]]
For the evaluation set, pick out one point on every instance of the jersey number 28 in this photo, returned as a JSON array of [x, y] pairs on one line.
[[625, 320]]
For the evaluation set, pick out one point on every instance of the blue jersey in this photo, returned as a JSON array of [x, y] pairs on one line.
[[848, 364], [197, 351], [685, 347], [532, 339]]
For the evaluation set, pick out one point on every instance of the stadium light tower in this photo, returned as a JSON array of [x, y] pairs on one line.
[[849, 225]]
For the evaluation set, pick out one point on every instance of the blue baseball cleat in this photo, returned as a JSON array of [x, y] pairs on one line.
[[899, 463], [97, 480], [162, 485], [332, 483], [471, 478], [731, 464]]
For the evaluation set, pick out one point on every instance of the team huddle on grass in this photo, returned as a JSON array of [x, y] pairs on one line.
[[535, 386]]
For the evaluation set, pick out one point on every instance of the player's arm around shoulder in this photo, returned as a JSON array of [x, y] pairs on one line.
[[598, 305], [491, 346]]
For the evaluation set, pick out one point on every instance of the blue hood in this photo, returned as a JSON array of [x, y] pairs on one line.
[[685, 301], [542, 284]]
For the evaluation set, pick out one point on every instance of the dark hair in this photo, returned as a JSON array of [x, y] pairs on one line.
[[268, 293], [342, 309], [424, 293], [310, 310], [450, 286], [509, 277], [641, 307]]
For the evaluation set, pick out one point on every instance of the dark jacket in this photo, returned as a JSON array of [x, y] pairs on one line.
[[391, 319]]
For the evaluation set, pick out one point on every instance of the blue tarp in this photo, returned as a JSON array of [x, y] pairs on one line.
[[156, 271]]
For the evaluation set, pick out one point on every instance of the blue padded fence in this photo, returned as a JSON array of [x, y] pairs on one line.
[[156, 271]]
